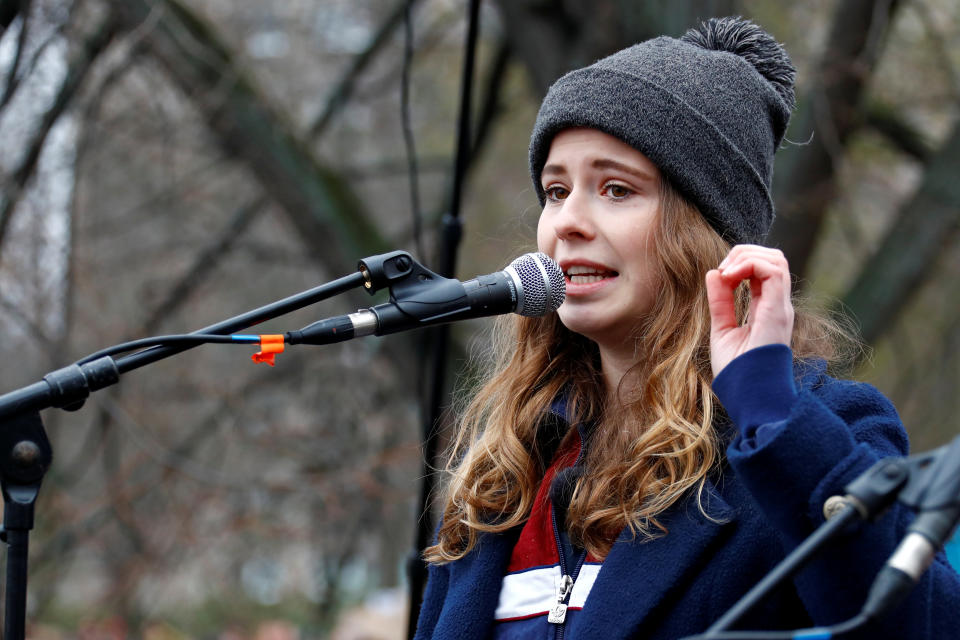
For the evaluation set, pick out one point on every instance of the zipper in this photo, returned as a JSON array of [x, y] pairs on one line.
[[558, 612]]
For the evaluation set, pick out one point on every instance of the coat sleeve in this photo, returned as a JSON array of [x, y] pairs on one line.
[[800, 442], [438, 579]]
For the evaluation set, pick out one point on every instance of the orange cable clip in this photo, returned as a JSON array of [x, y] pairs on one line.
[[270, 345]]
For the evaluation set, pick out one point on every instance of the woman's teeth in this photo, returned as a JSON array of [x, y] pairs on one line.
[[585, 275], [585, 279]]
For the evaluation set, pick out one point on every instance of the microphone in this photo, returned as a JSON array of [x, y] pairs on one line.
[[532, 285], [934, 488], [927, 535]]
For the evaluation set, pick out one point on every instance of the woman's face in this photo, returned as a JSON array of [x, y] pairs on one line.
[[603, 199]]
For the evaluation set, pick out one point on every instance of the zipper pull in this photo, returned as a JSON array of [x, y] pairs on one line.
[[558, 612]]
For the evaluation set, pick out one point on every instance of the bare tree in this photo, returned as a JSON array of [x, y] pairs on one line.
[[218, 154]]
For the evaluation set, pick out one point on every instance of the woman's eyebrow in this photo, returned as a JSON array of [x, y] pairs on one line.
[[606, 163], [602, 163], [553, 169]]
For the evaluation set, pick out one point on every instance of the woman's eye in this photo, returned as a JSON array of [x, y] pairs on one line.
[[556, 193], [617, 191]]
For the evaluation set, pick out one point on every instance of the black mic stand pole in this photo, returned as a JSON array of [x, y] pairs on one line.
[[25, 451], [26, 457], [928, 483], [439, 338]]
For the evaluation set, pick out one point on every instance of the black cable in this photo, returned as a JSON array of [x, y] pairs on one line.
[[246, 320], [175, 339]]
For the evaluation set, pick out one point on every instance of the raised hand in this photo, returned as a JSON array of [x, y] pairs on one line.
[[770, 316]]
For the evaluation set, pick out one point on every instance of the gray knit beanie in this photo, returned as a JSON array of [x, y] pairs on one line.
[[709, 109]]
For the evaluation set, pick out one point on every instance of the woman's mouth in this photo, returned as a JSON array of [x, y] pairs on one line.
[[582, 274]]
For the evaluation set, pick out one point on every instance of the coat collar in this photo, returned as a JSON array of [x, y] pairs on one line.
[[640, 575], [637, 576]]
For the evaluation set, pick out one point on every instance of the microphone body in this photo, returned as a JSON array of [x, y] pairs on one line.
[[912, 557], [934, 490], [532, 285]]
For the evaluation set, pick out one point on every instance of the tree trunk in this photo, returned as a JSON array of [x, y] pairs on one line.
[[805, 180], [554, 36]]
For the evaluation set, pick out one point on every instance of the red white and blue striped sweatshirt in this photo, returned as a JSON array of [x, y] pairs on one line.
[[548, 579]]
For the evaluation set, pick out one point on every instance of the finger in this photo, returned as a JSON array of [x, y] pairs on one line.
[[742, 249], [769, 283], [769, 286], [746, 253], [742, 253], [720, 298], [757, 267]]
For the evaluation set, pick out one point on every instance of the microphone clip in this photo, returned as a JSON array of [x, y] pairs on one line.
[[417, 295], [934, 479], [391, 270], [924, 481]]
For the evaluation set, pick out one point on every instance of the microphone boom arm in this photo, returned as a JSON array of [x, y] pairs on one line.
[[25, 450], [418, 297]]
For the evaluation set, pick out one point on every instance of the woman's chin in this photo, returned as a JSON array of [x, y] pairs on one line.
[[586, 324]]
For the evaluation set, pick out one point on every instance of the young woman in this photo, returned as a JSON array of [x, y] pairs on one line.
[[636, 462]]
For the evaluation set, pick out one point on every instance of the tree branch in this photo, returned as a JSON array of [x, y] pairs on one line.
[[908, 253], [319, 203], [344, 89], [9, 9], [21, 47], [205, 262], [491, 106], [14, 80], [77, 70], [900, 133], [209, 257], [805, 180]]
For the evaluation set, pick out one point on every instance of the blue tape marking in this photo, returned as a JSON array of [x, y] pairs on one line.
[[953, 551], [245, 337], [814, 634]]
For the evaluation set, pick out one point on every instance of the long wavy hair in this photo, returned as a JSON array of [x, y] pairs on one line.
[[651, 446]]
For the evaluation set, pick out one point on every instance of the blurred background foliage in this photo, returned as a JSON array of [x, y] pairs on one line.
[[170, 163]]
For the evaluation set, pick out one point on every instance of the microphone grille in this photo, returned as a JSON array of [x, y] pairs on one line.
[[542, 287]]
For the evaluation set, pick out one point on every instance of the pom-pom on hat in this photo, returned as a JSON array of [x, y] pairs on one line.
[[709, 109]]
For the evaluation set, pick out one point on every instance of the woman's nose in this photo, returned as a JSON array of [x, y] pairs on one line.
[[573, 221]]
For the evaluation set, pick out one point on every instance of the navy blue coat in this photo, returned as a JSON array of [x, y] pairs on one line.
[[799, 442]]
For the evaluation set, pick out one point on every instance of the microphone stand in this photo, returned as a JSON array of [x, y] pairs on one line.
[[438, 340], [928, 483], [25, 450]]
